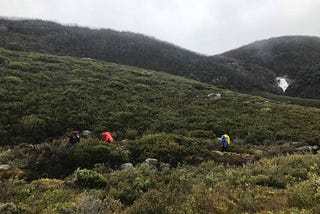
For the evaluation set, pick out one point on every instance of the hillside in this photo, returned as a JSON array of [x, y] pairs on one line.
[[296, 58], [251, 68], [136, 50], [44, 95], [151, 115]]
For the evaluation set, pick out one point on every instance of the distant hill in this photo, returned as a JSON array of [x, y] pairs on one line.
[[136, 50], [42, 96], [251, 68], [294, 57]]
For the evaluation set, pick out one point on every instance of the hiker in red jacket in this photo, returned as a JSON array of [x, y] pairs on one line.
[[106, 137]]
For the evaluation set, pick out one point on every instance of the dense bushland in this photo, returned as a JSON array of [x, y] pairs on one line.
[[287, 184], [42, 96], [151, 115], [136, 50]]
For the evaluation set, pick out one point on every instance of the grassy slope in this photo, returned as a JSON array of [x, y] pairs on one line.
[[288, 99], [44, 95]]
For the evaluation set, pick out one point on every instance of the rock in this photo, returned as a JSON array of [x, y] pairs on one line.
[[86, 58], [152, 162], [214, 96], [4, 167], [126, 166], [86, 133], [315, 147], [304, 149], [218, 153], [266, 109], [164, 167]]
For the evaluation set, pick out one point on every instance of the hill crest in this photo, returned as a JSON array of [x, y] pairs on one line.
[[244, 73]]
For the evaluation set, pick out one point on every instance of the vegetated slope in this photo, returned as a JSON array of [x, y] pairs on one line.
[[136, 50], [44, 95], [296, 57]]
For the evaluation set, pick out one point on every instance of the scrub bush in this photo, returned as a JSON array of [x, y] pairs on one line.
[[85, 178], [9, 208], [169, 148]]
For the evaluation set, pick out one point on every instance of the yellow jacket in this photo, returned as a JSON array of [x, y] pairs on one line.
[[227, 137]]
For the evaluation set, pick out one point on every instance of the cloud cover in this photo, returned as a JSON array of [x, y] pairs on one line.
[[204, 26]]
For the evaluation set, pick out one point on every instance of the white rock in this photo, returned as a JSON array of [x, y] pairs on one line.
[[4, 167], [126, 166]]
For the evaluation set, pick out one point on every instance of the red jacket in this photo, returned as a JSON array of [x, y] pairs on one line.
[[106, 137]]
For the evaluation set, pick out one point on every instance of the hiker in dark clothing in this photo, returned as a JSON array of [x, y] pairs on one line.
[[225, 141], [74, 138]]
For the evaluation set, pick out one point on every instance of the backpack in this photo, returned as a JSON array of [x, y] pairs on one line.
[[224, 140]]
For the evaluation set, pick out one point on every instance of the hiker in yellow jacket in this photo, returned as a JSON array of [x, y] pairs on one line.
[[225, 141]]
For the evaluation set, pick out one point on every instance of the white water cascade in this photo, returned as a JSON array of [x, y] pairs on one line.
[[282, 83]]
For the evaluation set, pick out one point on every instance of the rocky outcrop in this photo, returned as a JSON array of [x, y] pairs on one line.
[[152, 162], [86, 133], [126, 166], [214, 96], [306, 149], [4, 167]]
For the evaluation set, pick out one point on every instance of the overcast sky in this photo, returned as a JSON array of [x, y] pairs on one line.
[[204, 26]]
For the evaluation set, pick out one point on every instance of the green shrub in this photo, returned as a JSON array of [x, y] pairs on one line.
[[44, 184], [272, 180], [32, 128], [131, 134], [280, 172], [202, 134], [4, 60], [117, 85], [14, 46], [168, 148], [301, 196], [157, 201], [57, 160], [56, 201], [14, 79], [9, 208], [90, 151], [23, 66], [86, 178], [90, 204], [128, 186], [8, 189], [48, 59], [305, 194]]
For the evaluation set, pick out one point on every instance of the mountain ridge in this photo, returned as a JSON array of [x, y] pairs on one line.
[[226, 70], [295, 57]]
